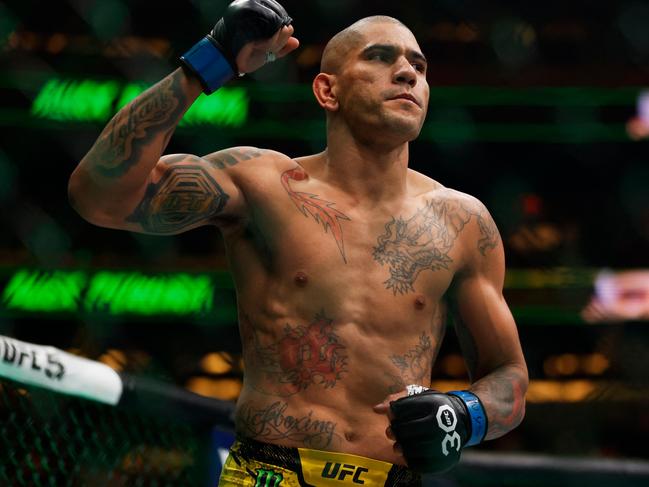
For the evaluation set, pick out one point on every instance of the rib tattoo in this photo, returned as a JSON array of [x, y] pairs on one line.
[[320, 210], [156, 111], [414, 366]]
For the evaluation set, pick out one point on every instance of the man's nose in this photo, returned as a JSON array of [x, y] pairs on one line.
[[405, 73]]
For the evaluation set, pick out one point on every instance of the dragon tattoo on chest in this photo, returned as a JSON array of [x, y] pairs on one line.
[[424, 241]]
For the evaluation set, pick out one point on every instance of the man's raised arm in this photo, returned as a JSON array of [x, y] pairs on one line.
[[124, 179]]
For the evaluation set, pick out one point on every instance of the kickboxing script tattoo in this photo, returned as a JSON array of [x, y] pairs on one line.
[[424, 241], [272, 423]]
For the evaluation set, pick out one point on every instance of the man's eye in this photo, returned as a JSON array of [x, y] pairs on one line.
[[419, 67]]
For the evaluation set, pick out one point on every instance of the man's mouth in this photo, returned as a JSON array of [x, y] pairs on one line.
[[406, 96]]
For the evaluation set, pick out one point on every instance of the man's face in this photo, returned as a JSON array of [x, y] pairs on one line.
[[382, 88]]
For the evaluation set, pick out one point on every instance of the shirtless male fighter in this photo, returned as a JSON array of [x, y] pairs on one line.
[[345, 262]]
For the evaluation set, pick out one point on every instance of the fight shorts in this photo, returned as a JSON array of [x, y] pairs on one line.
[[256, 464]]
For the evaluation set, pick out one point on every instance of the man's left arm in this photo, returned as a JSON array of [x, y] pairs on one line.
[[429, 427], [486, 329]]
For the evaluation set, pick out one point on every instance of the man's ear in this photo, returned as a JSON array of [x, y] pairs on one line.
[[324, 91]]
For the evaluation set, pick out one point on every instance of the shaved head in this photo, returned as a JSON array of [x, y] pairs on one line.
[[346, 40]]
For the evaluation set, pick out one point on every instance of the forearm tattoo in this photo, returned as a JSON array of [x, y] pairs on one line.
[[302, 357], [501, 391], [156, 112], [310, 204], [185, 196], [424, 241], [273, 423], [503, 394], [414, 367]]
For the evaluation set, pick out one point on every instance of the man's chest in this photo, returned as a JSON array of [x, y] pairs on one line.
[[412, 250]]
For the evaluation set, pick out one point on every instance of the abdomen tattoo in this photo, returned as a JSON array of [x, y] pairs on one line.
[[304, 356]]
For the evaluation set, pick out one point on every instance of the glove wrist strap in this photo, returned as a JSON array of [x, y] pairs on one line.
[[477, 415], [208, 64]]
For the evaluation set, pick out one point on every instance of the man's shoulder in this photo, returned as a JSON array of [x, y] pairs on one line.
[[235, 158], [430, 189]]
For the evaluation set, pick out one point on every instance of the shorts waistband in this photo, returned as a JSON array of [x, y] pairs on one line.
[[324, 468]]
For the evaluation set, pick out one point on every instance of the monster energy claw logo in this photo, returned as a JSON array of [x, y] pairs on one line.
[[268, 478]]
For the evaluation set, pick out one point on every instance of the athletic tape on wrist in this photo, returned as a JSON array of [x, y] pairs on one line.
[[208, 64], [476, 413]]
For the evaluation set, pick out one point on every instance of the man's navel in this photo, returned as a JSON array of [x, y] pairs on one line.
[[301, 279]]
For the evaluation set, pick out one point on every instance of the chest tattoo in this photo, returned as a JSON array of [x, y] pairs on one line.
[[424, 241], [322, 211]]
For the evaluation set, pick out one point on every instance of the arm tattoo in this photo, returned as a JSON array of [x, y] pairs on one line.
[[414, 366], [304, 356], [320, 210], [424, 241], [184, 196], [232, 157], [488, 231], [272, 423], [503, 394], [154, 112]]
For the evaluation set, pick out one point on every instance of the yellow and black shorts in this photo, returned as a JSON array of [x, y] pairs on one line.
[[256, 464]]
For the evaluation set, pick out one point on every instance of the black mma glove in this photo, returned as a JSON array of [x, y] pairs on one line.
[[433, 427], [213, 59]]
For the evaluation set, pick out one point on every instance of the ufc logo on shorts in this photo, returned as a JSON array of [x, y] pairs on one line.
[[447, 420], [340, 472]]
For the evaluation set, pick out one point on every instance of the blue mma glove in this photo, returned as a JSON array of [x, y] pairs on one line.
[[213, 59], [433, 427]]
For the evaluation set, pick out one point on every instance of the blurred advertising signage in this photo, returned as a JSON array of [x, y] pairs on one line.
[[619, 296], [87, 100], [115, 293]]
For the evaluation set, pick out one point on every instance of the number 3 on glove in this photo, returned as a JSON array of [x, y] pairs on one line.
[[447, 421], [433, 427]]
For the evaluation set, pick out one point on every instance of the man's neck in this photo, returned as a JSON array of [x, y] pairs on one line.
[[365, 172]]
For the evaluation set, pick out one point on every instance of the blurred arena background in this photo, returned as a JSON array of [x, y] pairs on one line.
[[529, 102]]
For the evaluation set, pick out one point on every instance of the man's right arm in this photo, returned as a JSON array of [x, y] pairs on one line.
[[127, 157], [125, 182]]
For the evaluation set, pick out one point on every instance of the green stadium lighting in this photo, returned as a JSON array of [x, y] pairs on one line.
[[135, 293], [116, 293], [129, 93], [42, 291], [77, 100], [95, 101], [226, 107]]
